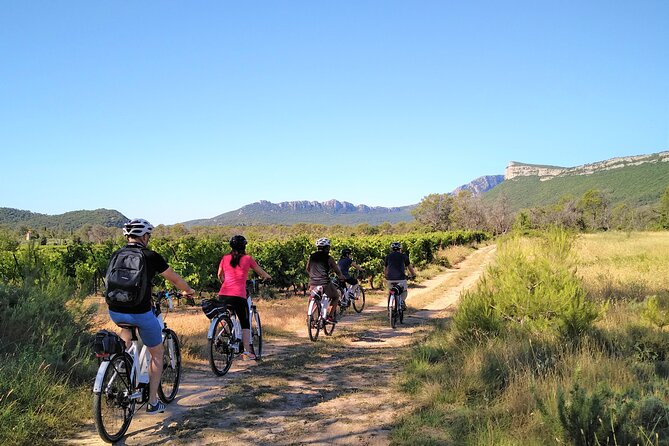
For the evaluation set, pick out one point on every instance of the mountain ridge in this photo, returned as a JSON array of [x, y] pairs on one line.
[[637, 180]]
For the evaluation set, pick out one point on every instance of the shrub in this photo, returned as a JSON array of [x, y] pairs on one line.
[[532, 287]]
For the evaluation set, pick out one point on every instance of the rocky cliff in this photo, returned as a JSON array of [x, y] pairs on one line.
[[515, 169]]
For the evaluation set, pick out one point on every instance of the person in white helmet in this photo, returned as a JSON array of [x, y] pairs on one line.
[[319, 267], [395, 265], [138, 233]]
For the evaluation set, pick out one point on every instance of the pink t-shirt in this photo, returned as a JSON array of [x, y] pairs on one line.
[[234, 282]]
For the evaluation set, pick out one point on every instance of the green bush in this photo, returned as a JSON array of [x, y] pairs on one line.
[[45, 360], [530, 288], [604, 417]]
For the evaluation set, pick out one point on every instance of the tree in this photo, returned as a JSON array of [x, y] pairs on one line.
[[434, 211], [468, 212], [595, 208], [500, 217], [663, 210]]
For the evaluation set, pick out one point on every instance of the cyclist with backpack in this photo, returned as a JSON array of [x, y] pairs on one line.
[[395, 265], [233, 271], [319, 266], [128, 295]]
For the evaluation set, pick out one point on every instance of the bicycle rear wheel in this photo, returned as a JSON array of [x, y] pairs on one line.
[[169, 380], [256, 335], [328, 327], [392, 310], [112, 407], [358, 298], [220, 346], [314, 321]]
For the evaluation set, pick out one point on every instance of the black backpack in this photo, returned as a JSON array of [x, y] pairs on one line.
[[127, 278]]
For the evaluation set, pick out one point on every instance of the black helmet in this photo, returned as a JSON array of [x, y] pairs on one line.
[[345, 252], [395, 246], [238, 242]]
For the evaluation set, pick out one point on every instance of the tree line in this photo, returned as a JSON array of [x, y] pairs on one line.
[[196, 258], [593, 211]]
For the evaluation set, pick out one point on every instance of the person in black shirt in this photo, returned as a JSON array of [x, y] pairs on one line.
[[345, 263], [319, 267], [138, 233], [395, 265]]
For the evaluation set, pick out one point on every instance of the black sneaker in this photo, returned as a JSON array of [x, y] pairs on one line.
[[158, 408]]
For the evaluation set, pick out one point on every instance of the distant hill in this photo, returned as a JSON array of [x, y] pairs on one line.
[[69, 221], [634, 180], [290, 212], [480, 185]]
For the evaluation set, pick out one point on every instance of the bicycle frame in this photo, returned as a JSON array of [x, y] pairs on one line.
[[236, 328], [317, 297], [140, 356]]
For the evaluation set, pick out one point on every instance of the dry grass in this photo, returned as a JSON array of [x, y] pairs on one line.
[[618, 265]]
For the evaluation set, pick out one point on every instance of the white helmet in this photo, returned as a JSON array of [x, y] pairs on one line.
[[137, 227], [323, 242]]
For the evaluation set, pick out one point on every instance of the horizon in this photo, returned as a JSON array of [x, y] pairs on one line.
[[175, 112]]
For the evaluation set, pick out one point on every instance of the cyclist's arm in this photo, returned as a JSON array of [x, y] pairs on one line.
[[177, 281], [261, 272], [356, 266], [335, 268], [411, 270], [221, 274]]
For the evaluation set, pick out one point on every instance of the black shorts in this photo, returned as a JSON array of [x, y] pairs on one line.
[[241, 308], [351, 281]]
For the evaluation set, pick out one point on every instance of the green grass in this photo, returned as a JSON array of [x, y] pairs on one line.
[[45, 363], [524, 385]]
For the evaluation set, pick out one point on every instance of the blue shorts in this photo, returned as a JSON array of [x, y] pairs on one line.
[[149, 328]]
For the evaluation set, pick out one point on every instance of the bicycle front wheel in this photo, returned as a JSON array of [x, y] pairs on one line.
[[358, 298], [112, 407], [256, 335], [169, 380], [220, 346]]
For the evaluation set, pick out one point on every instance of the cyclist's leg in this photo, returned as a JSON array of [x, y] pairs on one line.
[[155, 371], [243, 315], [150, 332], [333, 294]]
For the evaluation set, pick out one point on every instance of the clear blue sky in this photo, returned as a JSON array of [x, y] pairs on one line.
[[175, 111]]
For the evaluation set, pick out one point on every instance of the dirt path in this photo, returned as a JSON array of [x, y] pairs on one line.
[[338, 390]]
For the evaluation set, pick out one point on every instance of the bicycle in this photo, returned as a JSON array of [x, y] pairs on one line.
[[122, 380], [225, 332], [351, 295], [396, 305], [317, 310]]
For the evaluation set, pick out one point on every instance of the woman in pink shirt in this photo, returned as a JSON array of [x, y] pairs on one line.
[[233, 271]]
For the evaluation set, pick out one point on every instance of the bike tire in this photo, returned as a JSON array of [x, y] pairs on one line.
[[220, 346], [328, 327], [256, 335], [392, 311], [112, 407], [314, 322], [359, 300], [171, 376]]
